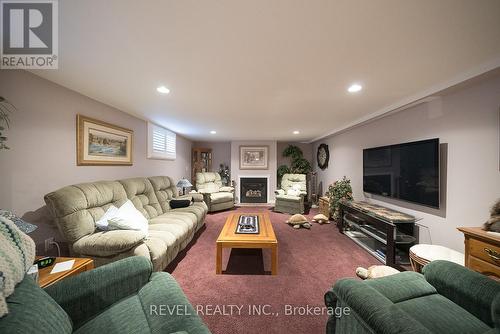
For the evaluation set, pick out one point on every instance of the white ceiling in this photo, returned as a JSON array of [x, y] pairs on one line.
[[260, 69]]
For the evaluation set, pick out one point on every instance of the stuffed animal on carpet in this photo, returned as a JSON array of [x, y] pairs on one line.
[[375, 272], [297, 220], [493, 224], [320, 219]]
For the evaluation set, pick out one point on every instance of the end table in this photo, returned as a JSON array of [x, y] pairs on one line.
[[45, 278]]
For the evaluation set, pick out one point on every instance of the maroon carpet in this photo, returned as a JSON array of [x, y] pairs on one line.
[[310, 261]]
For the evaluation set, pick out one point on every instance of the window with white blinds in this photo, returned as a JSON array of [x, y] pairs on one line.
[[161, 143]]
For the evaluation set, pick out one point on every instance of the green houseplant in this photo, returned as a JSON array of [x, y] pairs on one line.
[[5, 109], [338, 191]]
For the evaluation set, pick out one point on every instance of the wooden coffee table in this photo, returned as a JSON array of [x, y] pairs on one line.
[[228, 238]]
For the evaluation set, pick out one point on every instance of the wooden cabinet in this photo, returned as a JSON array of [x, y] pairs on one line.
[[201, 161], [482, 251], [324, 206]]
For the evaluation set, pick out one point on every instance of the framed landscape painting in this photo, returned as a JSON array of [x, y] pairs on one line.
[[254, 157], [100, 143]]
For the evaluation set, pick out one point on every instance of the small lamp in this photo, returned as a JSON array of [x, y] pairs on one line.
[[184, 183]]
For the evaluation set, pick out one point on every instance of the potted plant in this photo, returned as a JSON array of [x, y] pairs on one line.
[[5, 109], [338, 191]]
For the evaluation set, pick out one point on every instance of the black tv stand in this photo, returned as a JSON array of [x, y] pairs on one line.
[[384, 233]]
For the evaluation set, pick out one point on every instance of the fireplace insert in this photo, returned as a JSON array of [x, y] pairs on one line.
[[253, 190]]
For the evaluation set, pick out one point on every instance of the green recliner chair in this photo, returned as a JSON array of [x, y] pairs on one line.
[[447, 298], [290, 198], [122, 297]]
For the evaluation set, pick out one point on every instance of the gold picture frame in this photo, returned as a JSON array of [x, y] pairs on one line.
[[254, 157], [102, 144]]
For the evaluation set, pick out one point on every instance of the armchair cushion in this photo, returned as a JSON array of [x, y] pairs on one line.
[[107, 243], [208, 182], [293, 192], [32, 310], [147, 311], [221, 197], [294, 181], [90, 293], [474, 292]]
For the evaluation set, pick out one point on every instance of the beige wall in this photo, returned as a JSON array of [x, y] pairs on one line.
[[270, 172], [43, 146], [467, 120]]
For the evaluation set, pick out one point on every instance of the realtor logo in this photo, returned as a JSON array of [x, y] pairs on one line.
[[29, 34]]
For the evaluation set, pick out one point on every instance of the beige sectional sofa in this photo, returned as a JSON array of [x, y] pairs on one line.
[[76, 208]]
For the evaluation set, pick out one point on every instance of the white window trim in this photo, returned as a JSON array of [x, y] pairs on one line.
[[162, 155]]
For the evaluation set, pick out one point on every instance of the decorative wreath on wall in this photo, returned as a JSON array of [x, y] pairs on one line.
[[323, 156]]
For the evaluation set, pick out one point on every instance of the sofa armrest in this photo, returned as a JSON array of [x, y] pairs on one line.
[[226, 189], [469, 289], [279, 192], [89, 293], [195, 197], [371, 307]]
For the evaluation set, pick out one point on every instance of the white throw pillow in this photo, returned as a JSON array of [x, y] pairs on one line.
[[128, 218], [102, 224]]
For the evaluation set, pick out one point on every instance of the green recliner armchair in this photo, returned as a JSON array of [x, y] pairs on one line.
[[216, 196], [447, 298], [125, 296], [290, 198]]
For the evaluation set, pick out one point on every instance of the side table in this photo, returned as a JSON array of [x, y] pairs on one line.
[[45, 278], [324, 206]]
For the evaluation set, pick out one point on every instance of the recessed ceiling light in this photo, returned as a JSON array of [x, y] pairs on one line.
[[163, 90], [296, 132], [213, 132], [354, 88]]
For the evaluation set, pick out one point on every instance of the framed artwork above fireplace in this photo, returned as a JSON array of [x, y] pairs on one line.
[[254, 157]]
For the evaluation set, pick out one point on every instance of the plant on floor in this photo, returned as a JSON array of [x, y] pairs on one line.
[[5, 110], [299, 164], [224, 173], [338, 191]]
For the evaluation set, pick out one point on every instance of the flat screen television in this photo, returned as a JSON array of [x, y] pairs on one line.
[[408, 171]]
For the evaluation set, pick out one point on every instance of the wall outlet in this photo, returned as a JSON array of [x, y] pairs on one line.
[[49, 244]]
